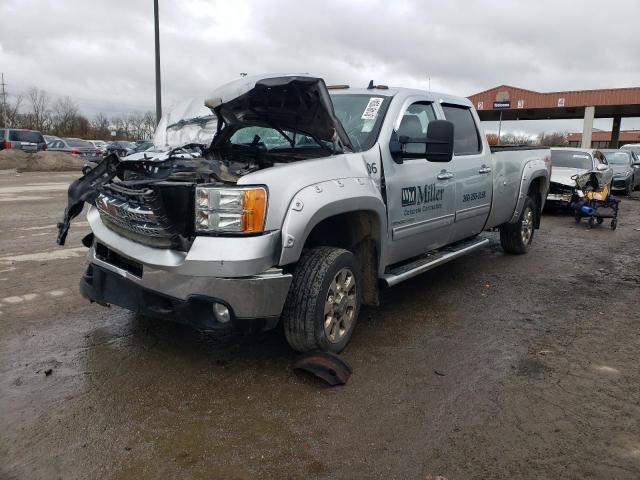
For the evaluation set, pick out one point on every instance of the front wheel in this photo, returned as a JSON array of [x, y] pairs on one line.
[[324, 300], [629, 190], [517, 237]]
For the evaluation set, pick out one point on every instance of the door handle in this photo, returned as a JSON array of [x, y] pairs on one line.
[[484, 169], [444, 175]]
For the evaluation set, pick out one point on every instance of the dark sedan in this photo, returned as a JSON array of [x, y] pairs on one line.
[[77, 147], [120, 147], [626, 169]]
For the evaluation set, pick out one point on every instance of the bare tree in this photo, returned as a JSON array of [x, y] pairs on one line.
[[40, 113], [149, 124], [555, 139], [65, 112], [14, 118], [100, 126]]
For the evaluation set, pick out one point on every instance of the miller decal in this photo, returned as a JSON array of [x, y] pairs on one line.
[[420, 195]]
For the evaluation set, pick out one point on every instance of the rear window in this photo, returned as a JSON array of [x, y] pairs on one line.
[[466, 139], [79, 144], [25, 136]]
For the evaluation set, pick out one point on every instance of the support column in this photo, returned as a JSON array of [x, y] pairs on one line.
[[587, 126], [615, 132]]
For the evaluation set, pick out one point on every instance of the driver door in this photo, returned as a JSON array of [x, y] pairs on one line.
[[420, 194]]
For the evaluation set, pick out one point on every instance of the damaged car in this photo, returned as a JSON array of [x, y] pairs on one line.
[[279, 199], [569, 163]]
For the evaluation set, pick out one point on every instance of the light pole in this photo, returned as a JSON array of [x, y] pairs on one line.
[[158, 88]]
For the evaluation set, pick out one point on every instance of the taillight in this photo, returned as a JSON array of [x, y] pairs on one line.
[[75, 152], [6, 144]]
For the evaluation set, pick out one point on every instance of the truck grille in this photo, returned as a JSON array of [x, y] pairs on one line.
[[141, 216]]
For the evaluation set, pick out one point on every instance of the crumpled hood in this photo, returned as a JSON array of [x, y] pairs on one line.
[[288, 102], [187, 123], [562, 175]]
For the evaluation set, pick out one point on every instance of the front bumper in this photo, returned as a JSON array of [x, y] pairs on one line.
[[114, 279], [620, 183], [559, 197]]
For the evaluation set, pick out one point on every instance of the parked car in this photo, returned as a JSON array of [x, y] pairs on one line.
[[100, 145], [568, 162], [120, 147], [50, 138], [362, 187], [20, 139], [633, 147], [76, 146], [626, 169], [142, 145]]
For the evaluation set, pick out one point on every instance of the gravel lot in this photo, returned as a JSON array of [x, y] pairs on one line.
[[490, 367]]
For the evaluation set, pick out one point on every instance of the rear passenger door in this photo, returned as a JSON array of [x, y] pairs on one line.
[[474, 180]]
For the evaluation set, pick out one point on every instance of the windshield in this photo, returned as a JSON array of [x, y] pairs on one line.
[[618, 158], [633, 148], [361, 115], [271, 139], [571, 159]]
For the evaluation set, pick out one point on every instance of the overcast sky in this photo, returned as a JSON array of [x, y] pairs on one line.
[[100, 53]]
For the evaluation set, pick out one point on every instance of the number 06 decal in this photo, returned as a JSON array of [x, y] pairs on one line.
[[372, 168]]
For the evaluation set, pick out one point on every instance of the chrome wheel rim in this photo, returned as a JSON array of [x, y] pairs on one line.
[[526, 229], [340, 306]]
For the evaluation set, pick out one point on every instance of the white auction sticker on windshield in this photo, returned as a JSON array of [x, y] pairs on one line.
[[371, 110]]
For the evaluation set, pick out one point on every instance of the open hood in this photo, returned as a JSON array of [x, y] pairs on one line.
[[287, 102]]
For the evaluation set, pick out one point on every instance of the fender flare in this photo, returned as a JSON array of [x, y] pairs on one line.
[[315, 203], [532, 170]]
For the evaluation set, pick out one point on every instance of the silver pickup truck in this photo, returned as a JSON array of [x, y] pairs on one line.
[[279, 199]]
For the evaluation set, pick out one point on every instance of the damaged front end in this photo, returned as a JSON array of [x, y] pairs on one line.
[[187, 185], [148, 201]]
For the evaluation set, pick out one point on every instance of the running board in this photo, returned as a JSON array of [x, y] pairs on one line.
[[431, 260]]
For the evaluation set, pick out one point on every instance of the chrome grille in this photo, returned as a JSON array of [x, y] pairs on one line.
[[141, 214]]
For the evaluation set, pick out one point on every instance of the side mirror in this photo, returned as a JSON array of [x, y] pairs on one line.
[[440, 141], [602, 167], [438, 144]]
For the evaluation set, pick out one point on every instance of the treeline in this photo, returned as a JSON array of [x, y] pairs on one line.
[[35, 110], [556, 139]]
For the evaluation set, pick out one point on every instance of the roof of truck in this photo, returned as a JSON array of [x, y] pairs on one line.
[[407, 92]]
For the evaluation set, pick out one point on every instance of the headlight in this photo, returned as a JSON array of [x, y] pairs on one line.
[[623, 175], [230, 210]]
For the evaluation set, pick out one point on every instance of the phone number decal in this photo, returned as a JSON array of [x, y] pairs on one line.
[[470, 197]]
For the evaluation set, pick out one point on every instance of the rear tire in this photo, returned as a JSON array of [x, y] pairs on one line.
[[324, 300], [516, 237]]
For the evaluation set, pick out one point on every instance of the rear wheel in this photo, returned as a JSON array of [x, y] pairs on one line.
[[517, 237], [324, 300]]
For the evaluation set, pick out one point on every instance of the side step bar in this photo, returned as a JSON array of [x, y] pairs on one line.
[[431, 260]]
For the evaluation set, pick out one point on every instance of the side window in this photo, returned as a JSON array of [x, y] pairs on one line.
[[466, 138], [414, 124]]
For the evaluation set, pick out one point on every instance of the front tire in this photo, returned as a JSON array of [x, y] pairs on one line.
[[516, 237], [324, 300]]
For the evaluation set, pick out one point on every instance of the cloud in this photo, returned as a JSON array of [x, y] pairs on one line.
[[101, 53]]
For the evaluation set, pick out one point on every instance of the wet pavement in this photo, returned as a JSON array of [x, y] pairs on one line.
[[492, 366]]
